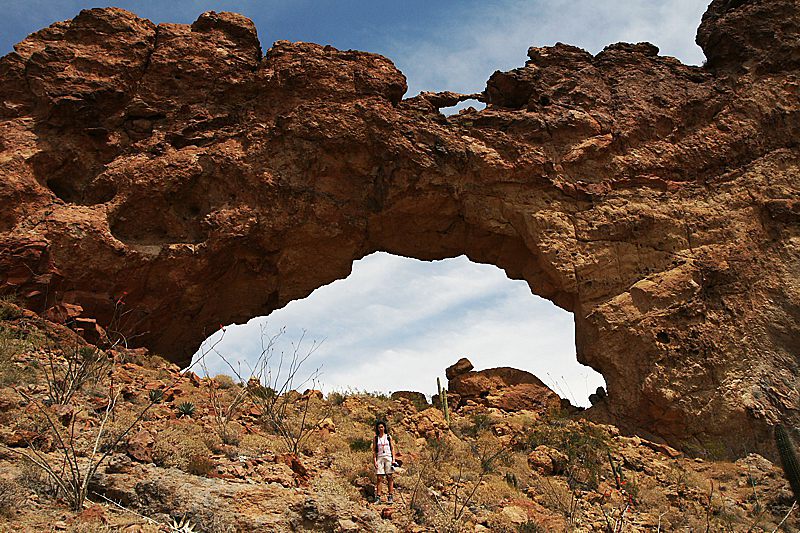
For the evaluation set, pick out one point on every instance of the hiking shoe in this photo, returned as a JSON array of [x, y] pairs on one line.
[[378, 499], [390, 499]]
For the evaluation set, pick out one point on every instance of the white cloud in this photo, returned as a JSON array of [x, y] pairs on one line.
[[462, 56]]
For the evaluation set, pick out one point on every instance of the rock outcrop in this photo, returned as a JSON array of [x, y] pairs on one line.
[[163, 180], [503, 388]]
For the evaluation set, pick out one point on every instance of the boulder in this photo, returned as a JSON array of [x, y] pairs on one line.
[[505, 388], [460, 367], [547, 461]]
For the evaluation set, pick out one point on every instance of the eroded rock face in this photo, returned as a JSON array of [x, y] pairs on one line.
[[164, 180]]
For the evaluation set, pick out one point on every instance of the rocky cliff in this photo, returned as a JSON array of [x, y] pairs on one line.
[[159, 181]]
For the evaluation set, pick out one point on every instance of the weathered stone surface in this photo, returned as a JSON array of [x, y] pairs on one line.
[[166, 180]]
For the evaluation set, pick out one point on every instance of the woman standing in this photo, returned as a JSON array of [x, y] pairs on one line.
[[383, 456]]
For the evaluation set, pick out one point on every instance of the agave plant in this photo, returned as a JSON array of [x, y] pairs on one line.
[[186, 409], [156, 396], [184, 526]]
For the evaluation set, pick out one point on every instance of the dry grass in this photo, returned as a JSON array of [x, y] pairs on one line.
[[11, 497], [335, 486], [257, 445], [495, 489]]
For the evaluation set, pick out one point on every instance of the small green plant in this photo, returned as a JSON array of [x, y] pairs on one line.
[[360, 444], [9, 310], [791, 466], [182, 526], [531, 526], [156, 396], [186, 409]]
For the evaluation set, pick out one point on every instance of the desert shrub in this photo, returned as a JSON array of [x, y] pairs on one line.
[[200, 464], [14, 342], [708, 449], [224, 381], [36, 480], [335, 443], [9, 310], [231, 434], [360, 444], [352, 465], [473, 424], [494, 490], [313, 442], [178, 453], [116, 426], [531, 526], [585, 445], [174, 447], [336, 398], [378, 396], [155, 362]]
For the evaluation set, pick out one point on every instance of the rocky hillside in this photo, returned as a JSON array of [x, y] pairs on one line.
[[166, 450]]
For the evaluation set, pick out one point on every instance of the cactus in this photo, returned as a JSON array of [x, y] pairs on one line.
[[615, 470], [791, 467], [443, 401], [511, 479]]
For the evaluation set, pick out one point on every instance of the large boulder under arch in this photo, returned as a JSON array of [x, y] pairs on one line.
[[163, 180]]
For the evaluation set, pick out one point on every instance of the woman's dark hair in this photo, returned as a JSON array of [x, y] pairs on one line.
[[385, 427]]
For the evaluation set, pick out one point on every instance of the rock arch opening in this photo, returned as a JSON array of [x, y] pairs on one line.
[[396, 323]]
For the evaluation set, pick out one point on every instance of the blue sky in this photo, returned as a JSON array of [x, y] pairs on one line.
[[396, 323]]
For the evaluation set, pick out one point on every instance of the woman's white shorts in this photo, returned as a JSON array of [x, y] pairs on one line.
[[384, 466]]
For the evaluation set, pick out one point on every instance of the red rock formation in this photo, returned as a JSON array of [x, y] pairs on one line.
[[163, 180], [505, 388]]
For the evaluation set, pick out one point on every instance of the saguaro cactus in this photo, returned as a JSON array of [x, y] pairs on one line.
[[443, 401], [791, 466]]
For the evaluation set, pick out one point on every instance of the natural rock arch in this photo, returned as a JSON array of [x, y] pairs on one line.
[[177, 172]]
